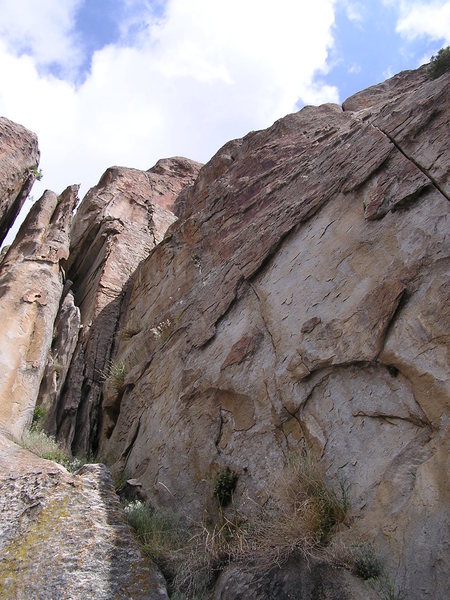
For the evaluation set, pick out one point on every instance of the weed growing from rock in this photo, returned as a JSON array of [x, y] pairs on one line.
[[366, 562], [440, 63], [45, 446], [224, 486], [115, 376], [299, 518], [39, 414]]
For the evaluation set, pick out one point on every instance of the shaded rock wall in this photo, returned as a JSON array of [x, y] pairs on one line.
[[31, 284], [303, 298], [19, 159], [116, 226]]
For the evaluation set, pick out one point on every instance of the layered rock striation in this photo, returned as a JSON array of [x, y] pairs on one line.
[[302, 299]]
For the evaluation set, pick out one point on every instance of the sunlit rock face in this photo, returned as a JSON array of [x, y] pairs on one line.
[[19, 160], [64, 535], [302, 298], [31, 284], [116, 226]]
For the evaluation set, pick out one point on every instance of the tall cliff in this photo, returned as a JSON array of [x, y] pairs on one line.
[[31, 284], [299, 302], [117, 224], [19, 160], [302, 298]]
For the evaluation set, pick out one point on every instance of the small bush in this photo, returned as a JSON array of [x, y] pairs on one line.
[[159, 532], [45, 446], [224, 486], [39, 414], [162, 330], [115, 376], [440, 63], [38, 174], [366, 563]]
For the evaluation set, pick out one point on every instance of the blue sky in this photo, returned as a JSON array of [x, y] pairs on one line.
[[127, 82]]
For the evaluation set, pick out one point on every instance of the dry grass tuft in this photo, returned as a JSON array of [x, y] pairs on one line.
[[300, 516]]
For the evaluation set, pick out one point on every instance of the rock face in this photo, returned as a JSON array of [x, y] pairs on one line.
[[64, 342], [294, 580], [116, 226], [303, 298], [63, 536], [31, 284], [19, 159]]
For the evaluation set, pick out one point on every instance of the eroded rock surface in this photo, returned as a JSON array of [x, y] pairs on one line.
[[31, 284], [296, 579], [19, 159], [303, 298], [63, 536], [116, 226]]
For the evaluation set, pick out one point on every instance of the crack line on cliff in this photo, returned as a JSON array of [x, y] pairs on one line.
[[414, 162], [261, 312], [415, 420]]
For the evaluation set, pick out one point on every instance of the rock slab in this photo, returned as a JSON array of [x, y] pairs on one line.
[[63, 537]]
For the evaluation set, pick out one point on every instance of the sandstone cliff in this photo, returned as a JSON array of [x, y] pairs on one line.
[[303, 298], [31, 284], [19, 159], [117, 224]]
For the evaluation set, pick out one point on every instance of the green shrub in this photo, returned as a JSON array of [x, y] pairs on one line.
[[224, 486], [39, 414], [45, 446], [115, 376], [38, 174], [366, 563], [160, 533], [440, 63]]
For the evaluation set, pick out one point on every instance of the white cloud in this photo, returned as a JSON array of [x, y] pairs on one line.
[[354, 69], [43, 29], [355, 11], [200, 74], [418, 19]]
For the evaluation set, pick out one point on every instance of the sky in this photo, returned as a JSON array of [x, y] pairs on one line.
[[127, 82]]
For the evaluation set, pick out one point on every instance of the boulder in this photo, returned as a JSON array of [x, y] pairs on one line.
[[63, 535]]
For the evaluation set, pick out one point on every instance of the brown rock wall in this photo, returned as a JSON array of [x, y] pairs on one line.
[[302, 298], [116, 226], [19, 159], [31, 284]]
